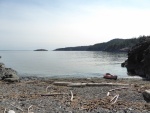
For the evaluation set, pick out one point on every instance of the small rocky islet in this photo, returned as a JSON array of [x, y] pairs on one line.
[[41, 50]]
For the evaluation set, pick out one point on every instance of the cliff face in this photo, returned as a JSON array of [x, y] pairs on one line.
[[138, 62]]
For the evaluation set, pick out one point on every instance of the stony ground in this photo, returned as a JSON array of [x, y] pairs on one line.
[[28, 95]]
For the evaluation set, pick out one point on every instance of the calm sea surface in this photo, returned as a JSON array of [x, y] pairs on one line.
[[64, 64]]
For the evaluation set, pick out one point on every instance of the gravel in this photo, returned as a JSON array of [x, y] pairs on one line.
[[19, 96]]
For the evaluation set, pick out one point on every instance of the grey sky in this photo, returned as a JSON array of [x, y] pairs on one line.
[[50, 24]]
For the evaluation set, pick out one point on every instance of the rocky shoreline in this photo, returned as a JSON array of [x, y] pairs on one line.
[[8, 74], [138, 62], [42, 95]]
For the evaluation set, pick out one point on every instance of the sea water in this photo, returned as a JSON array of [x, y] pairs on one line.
[[62, 64]]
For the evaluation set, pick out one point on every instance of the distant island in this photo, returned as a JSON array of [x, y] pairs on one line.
[[114, 45], [40, 50]]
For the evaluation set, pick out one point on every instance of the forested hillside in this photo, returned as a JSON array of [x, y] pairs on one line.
[[115, 45]]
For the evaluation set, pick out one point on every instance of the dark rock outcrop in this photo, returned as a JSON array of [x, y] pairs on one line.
[[138, 62], [8, 74]]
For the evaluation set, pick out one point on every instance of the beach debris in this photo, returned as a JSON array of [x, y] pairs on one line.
[[10, 111], [106, 84], [53, 94], [29, 108], [77, 84], [16, 107], [82, 108], [95, 84], [110, 76], [71, 96], [5, 110], [118, 88], [47, 88], [62, 83], [108, 93], [114, 99]]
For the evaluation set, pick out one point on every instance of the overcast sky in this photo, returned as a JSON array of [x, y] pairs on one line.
[[51, 24]]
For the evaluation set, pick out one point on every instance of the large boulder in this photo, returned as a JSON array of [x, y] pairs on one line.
[[8, 74], [2, 66], [138, 62]]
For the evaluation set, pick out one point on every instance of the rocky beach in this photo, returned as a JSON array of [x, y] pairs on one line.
[[80, 95], [49, 95]]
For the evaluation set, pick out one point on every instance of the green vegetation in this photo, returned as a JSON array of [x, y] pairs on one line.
[[115, 45]]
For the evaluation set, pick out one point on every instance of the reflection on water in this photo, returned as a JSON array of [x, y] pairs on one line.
[[64, 64]]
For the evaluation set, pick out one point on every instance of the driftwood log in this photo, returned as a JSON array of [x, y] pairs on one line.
[[53, 94], [61, 83], [70, 84]]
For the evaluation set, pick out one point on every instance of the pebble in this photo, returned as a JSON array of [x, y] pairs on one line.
[[27, 92]]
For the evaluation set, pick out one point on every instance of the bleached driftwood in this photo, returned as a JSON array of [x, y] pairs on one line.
[[106, 84], [95, 84], [11, 111], [82, 108], [71, 96], [61, 83], [5, 110], [30, 108], [53, 94], [71, 84], [77, 84], [115, 98], [108, 93], [118, 88], [47, 88], [17, 107]]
